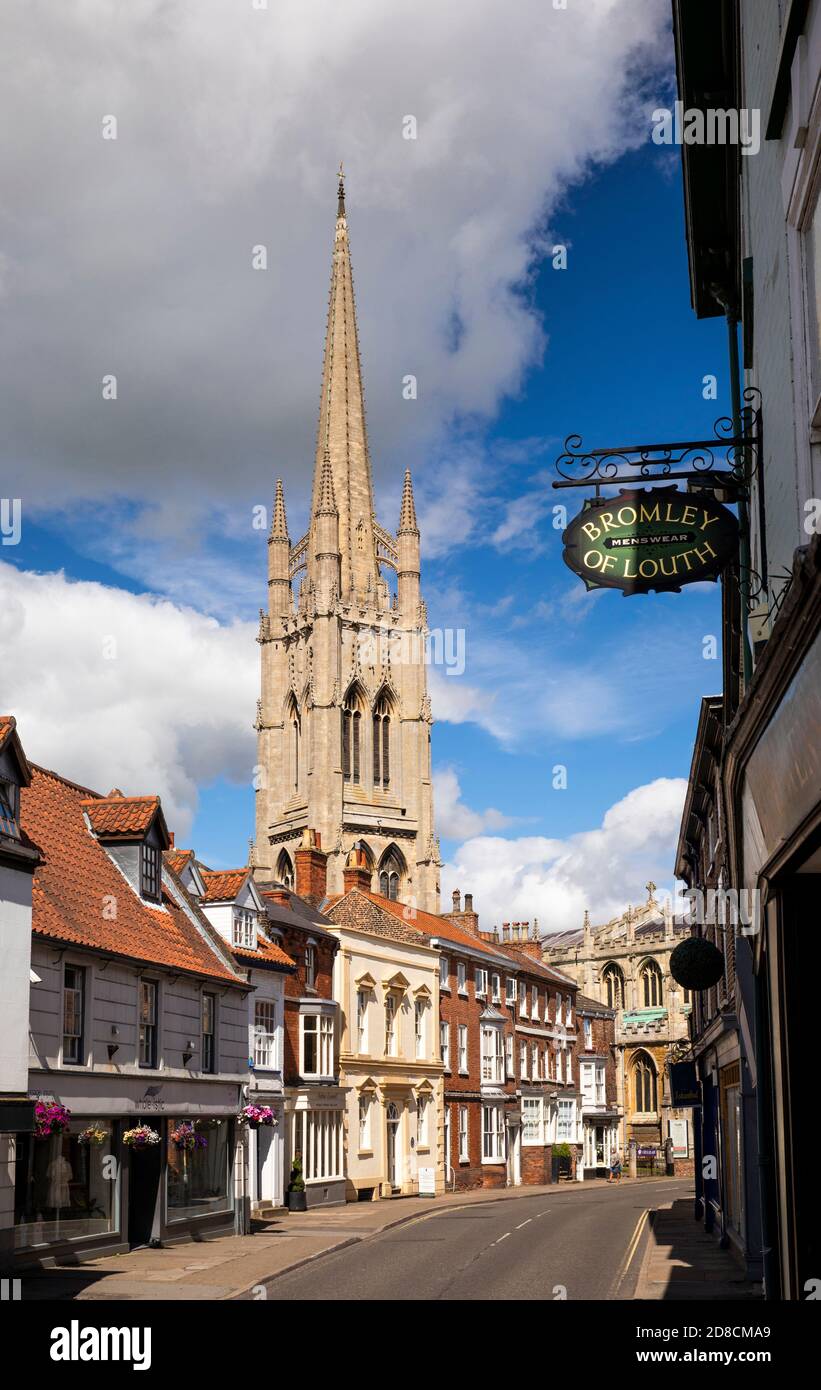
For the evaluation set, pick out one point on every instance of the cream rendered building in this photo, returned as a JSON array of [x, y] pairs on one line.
[[386, 981], [344, 719]]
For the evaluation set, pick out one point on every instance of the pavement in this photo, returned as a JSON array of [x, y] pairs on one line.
[[682, 1262], [358, 1243]]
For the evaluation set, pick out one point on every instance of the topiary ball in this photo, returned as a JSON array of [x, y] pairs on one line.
[[696, 964]]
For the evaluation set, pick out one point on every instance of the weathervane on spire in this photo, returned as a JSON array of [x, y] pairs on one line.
[[340, 212]]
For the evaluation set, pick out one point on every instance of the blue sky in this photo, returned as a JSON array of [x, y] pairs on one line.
[[137, 515]]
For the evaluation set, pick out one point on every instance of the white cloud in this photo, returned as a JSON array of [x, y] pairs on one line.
[[133, 256], [555, 880], [116, 689], [455, 820]]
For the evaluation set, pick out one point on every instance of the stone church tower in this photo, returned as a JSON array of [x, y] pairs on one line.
[[344, 719]]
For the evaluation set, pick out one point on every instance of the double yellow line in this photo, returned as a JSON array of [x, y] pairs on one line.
[[631, 1250]]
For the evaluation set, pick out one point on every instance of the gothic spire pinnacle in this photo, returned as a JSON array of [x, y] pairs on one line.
[[340, 208], [326, 501], [342, 434], [407, 512], [279, 525]]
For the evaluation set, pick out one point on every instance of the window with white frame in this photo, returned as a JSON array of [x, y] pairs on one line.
[[310, 966], [523, 1001], [534, 1002], [566, 1122], [361, 1020], [558, 1017], [444, 1044], [444, 973], [568, 1011], [587, 1081], [600, 1086], [523, 1061], [480, 982], [509, 1055], [419, 1013], [244, 928], [464, 1151], [265, 1038], [534, 1062], [495, 989], [317, 1137], [493, 1134], [461, 977], [463, 1047], [390, 1025], [317, 1044], [422, 1105], [74, 991], [510, 990], [532, 1127], [588, 1032], [365, 1104], [492, 1055]]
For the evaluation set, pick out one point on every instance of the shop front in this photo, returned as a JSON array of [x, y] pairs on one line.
[[601, 1143], [152, 1166]]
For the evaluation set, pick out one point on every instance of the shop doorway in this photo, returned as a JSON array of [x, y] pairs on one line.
[[143, 1189]]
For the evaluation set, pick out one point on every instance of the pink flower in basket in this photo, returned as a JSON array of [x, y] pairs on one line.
[[50, 1118], [256, 1115]]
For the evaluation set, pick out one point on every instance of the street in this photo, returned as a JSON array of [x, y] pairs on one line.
[[573, 1245]]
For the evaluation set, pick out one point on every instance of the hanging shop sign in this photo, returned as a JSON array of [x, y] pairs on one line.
[[684, 1087], [648, 539]]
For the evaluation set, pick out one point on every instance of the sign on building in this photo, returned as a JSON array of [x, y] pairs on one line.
[[650, 539]]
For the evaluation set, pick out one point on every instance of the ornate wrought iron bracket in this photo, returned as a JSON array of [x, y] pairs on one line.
[[698, 460]]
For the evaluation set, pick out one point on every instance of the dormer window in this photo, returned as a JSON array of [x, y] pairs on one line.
[[245, 928], [150, 873], [8, 810]]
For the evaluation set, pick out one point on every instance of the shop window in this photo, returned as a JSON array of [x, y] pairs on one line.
[[317, 1138], [65, 1186], [197, 1179]]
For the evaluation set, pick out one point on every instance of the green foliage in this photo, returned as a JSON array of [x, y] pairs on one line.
[[297, 1183], [561, 1151]]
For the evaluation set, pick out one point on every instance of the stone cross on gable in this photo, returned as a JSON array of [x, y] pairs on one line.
[[651, 888]]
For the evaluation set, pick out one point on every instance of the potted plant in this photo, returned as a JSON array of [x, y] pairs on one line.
[[94, 1136], [50, 1118], [295, 1195], [562, 1161], [186, 1138], [255, 1115], [141, 1137]]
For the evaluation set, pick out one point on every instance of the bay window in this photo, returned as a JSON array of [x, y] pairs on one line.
[[317, 1044], [492, 1056]]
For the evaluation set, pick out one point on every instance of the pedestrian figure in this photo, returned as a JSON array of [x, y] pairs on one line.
[[615, 1169]]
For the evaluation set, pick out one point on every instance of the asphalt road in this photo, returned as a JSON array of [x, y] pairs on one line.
[[572, 1245]]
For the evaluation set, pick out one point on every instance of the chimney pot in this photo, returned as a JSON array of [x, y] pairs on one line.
[[457, 900], [468, 902]]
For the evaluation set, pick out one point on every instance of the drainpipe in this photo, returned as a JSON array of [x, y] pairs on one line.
[[743, 512], [769, 1263]]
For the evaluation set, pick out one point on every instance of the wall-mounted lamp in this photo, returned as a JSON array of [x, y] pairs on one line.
[[113, 1047], [188, 1052]]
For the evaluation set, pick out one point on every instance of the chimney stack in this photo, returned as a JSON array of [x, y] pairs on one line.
[[356, 873], [465, 917], [311, 868]]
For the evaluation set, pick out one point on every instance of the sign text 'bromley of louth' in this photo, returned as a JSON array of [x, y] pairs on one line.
[[650, 539]]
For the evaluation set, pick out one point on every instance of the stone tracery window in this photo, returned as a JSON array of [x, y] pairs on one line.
[[613, 982], [651, 985], [352, 737], [382, 742], [645, 1084]]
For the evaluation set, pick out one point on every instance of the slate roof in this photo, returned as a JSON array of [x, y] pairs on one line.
[[77, 880]]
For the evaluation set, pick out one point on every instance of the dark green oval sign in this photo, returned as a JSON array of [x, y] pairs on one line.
[[650, 538]]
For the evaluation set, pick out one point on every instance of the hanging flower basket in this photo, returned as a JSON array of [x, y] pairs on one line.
[[696, 964], [141, 1137], [255, 1115], [94, 1136], [186, 1138], [50, 1118]]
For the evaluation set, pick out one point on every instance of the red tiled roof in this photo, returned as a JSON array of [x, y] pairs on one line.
[[77, 880], [7, 724], [426, 923], [121, 815], [537, 967], [222, 885], [178, 858], [267, 953]]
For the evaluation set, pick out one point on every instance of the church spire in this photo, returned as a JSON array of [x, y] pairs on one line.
[[407, 512], [279, 525], [326, 502], [342, 433]]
